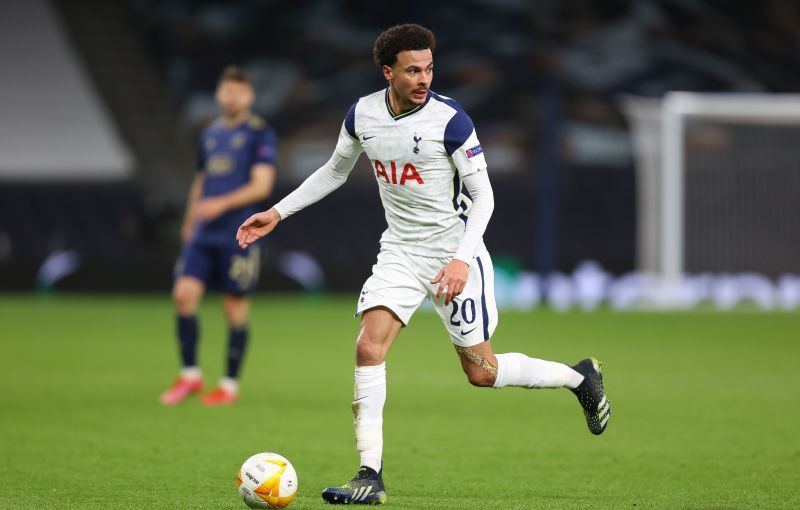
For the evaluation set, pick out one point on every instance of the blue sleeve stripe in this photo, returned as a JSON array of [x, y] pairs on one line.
[[350, 121], [458, 129], [456, 190]]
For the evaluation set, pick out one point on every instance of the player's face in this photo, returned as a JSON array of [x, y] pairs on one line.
[[234, 98], [410, 77]]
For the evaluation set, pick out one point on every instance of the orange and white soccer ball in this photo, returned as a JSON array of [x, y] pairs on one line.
[[267, 480]]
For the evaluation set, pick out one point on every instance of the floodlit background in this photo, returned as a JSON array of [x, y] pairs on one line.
[[102, 101]]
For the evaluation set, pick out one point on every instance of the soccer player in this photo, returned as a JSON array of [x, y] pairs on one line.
[[236, 171], [423, 150]]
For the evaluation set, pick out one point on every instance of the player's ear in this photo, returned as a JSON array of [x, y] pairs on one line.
[[387, 72]]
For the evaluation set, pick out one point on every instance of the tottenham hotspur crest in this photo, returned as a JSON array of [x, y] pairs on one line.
[[416, 143]]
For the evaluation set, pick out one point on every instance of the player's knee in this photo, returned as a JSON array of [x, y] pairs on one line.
[[237, 320], [179, 296], [369, 350], [479, 365], [184, 298], [236, 312], [480, 378]]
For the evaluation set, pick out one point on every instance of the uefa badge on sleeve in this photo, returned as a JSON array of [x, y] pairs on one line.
[[474, 151]]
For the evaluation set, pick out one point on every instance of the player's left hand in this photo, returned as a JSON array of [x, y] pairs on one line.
[[453, 276], [211, 208]]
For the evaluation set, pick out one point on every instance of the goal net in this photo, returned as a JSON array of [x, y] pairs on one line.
[[718, 179]]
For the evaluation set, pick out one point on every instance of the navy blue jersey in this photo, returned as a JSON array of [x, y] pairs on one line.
[[225, 156]]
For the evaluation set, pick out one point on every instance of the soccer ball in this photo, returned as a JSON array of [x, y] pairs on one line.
[[267, 480]]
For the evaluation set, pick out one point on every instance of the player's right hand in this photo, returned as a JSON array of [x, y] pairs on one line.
[[257, 226]]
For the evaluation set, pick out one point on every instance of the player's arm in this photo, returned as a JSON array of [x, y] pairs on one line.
[[480, 189], [190, 217], [466, 152], [317, 186], [453, 276], [192, 202], [258, 188]]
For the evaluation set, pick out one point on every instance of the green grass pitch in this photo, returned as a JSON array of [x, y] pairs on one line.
[[706, 410]]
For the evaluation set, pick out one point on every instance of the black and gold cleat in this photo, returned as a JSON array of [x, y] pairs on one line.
[[592, 396], [366, 488]]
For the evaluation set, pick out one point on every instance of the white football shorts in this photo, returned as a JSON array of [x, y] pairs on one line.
[[401, 281]]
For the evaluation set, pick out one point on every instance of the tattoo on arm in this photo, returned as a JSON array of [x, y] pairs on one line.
[[477, 359]]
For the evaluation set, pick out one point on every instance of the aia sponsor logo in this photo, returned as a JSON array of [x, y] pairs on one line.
[[408, 173]]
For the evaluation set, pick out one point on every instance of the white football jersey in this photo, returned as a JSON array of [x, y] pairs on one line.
[[419, 159]]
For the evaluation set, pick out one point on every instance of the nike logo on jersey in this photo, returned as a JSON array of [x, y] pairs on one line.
[[365, 138], [465, 333]]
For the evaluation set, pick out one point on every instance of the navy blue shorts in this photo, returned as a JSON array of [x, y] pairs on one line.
[[226, 268]]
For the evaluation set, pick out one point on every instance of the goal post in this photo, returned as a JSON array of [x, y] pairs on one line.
[[718, 184]]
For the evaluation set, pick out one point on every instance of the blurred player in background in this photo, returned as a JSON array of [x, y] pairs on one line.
[[236, 171], [422, 148]]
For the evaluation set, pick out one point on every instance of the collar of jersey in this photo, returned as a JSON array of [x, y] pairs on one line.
[[409, 112], [220, 122]]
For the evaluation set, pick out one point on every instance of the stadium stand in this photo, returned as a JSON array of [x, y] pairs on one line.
[[541, 80]]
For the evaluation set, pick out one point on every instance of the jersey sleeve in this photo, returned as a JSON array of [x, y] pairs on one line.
[[462, 145], [480, 189], [348, 145], [328, 177], [265, 148]]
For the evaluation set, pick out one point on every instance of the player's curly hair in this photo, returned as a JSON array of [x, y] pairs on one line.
[[407, 37], [234, 73]]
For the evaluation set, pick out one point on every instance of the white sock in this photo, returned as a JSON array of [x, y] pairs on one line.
[[230, 385], [515, 369], [368, 399], [191, 373]]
